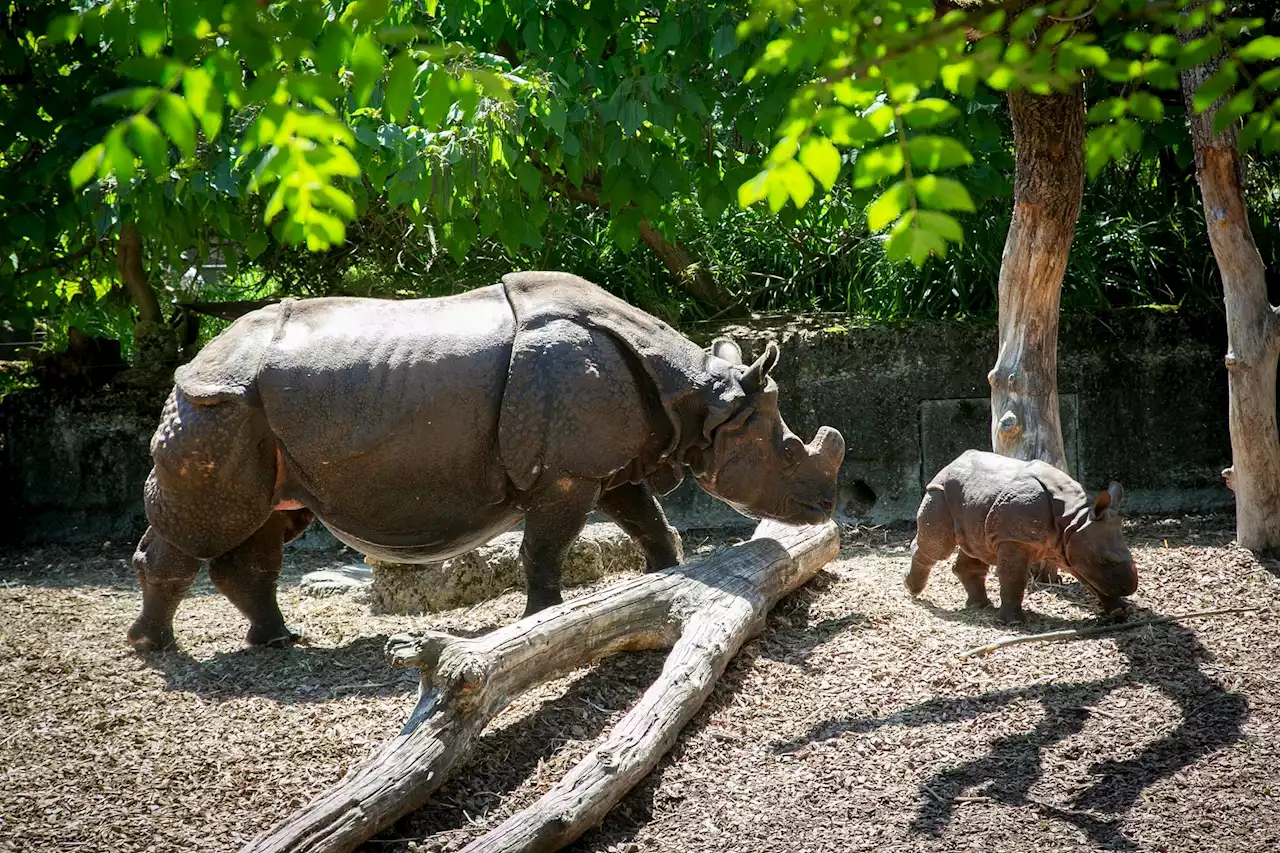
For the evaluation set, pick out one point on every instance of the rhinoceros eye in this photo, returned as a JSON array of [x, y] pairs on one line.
[[793, 451]]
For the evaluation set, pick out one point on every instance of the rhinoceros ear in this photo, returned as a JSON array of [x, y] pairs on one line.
[[1101, 503], [1117, 494], [754, 379], [726, 349]]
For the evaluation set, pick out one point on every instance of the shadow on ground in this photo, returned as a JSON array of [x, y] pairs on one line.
[[1164, 656], [301, 674]]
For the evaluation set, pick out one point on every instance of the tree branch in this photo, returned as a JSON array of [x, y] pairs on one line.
[[676, 258]]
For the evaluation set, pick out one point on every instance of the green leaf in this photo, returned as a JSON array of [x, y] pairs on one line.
[[886, 209], [880, 117], [942, 224], [404, 70], [64, 28], [1146, 106], [197, 85], [529, 178], [1198, 51], [1269, 80], [119, 159], [436, 102], [150, 146], [555, 118], [1108, 109], [937, 153], [928, 112], [1238, 105], [150, 21], [1261, 49], [822, 160], [960, 77], [908, 241], [624, 228], [754, 189], [875, 164], [177, 123], [725, 41], [86, 166], [366, 67], [942, 193], [1214, 88], [797, 181], [1254, 129], [360, 14]]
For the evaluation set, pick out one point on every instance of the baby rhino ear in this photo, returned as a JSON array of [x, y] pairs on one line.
[[1110, 499]]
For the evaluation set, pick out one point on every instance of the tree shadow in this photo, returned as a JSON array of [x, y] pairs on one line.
[[1165, 658]]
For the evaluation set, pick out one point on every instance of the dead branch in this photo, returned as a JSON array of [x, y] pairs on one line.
[[1095, 630], [705, 610]]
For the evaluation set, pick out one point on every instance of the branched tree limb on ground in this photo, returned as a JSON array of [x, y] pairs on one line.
[[704, 611]]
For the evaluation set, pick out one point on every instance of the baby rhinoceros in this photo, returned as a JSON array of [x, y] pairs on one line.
[[1012, 514]]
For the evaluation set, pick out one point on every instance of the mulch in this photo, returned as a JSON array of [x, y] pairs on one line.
[[850, 724]]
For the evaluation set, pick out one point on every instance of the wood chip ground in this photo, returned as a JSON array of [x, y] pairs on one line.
[[849, 725]]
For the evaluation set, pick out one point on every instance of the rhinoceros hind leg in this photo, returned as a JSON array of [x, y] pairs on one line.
[[935, 540], [247, 576], [973, 577], [635, 509], [165, 574], [557, 516]]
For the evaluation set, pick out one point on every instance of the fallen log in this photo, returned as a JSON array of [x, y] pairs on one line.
[[704, 611]]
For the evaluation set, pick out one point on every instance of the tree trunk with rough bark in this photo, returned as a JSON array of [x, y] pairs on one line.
[[704, 611], [134, 274], [1253, 330], [1048, 134]]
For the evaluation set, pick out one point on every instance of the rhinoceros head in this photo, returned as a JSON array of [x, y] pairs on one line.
[[755, 463], [1096, 552]]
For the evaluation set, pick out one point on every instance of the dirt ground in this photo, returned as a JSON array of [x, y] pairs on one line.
[[849, 725]]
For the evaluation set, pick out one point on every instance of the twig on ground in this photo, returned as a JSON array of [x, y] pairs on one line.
[[1094, 630]]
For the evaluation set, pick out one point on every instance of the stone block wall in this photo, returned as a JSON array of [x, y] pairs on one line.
[[1144, 402]]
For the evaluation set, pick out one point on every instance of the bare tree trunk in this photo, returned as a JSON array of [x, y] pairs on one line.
[[1048, 133], [1253, 330], [705, 611], [687, 270], [134, 274]]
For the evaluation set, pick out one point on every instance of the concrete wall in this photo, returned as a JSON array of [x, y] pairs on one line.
[[1144, 401]]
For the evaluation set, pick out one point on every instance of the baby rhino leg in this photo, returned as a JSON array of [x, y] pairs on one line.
[[935, 540], [973, 575]]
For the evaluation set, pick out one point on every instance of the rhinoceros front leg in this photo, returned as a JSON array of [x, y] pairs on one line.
[[165, 574], [1012, 570], [635, 509], [556, 516], [247, 576]]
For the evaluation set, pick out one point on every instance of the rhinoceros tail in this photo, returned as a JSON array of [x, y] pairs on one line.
[[227, 367]]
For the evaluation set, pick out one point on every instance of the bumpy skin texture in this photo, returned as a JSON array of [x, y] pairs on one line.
[[417, 430], [1012, 514]]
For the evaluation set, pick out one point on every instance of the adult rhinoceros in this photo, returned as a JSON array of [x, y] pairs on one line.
[[417, 430]]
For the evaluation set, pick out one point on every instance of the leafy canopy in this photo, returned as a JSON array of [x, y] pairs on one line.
[[882, 78]]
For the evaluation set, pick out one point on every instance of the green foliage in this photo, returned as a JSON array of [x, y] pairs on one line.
[[880, 78]]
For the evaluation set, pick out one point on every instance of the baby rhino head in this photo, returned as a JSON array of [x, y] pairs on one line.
[[1097, 555]]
